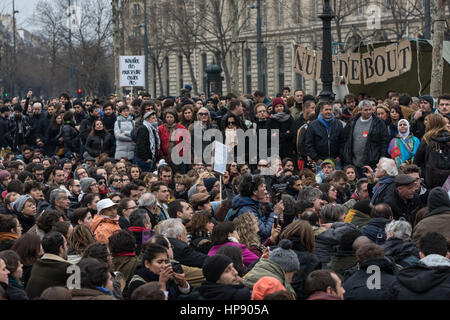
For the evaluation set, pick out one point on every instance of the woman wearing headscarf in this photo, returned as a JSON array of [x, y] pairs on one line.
[[404, 146]]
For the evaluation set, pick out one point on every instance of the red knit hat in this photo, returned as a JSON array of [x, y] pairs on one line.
[[278, 101], [266, 286]]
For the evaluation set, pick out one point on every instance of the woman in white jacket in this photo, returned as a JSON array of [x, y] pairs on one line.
[[122, 131]]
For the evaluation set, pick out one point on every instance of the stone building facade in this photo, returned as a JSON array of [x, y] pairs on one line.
[[285, 25]]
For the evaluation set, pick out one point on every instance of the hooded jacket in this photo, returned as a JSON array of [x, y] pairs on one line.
[[246, 204], [103, 227], [438, 218], [403, 253], [100, 143], [426, 280], [358, 218], [375, 230], [327, 241], [356, 287], [267, 268], [125, 145], [342, 261]]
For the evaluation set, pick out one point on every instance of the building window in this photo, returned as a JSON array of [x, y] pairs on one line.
[[280, 12], [360, 7], [264, 13], [248, 70], [136, 10], [280, 68], [180, 71], [298, 11]]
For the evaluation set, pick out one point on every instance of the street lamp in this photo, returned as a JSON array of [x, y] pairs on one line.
[[326, 74], [14, 50], [259, 43]]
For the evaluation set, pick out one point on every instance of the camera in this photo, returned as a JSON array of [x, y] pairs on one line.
[[176, 267]]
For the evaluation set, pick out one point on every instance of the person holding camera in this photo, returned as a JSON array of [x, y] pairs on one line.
[[156, 266]]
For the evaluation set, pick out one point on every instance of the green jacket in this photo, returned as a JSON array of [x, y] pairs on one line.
[[126, 265], [357, 218], [342, 261], [48, 271], [267, 268]]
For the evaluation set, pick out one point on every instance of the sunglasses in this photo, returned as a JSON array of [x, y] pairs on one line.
[[231, 122], [202, 114]]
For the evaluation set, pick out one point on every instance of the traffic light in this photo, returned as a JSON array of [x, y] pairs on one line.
[[80, 93]]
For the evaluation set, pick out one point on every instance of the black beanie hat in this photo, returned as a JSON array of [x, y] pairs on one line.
[[438, 198], [214, 266]]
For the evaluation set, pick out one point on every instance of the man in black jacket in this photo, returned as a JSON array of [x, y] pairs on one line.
[[429, 279], [366, 137], [5, 128], [20, 127], [86, 124], [176, 232], [324, 137], [39, 125]]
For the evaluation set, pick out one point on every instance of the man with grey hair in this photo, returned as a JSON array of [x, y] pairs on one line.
[[382, 182], [59, 201], [148, 203], [366, 137], [39, 125], [175, 231], [398, 245], [312, 195]]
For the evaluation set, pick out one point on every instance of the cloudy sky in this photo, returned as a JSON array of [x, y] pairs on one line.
[[25, 8]]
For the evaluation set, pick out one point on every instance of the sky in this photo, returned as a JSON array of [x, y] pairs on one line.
[[25, 8]]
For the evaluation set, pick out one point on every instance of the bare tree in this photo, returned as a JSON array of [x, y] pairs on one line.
[[438, 41], [183, 29], [216, 29], [402, 13]]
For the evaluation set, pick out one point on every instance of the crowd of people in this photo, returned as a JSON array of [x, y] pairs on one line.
[[89, 188]]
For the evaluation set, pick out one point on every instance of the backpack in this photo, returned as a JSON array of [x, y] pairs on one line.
[[437, 163], [234, 213]]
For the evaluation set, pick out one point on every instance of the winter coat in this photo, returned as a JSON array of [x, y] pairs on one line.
[[142, 275], [403, 208], [6, 139], [320, 144], [26, 222], [308, 263], [183, 253], [204, 144], [126, 264], [39, 124], [215, 291], [109, 122], [375, 230], [71, 138], [125, 146], [201, 242], [104, 227], [14, 290], [403, 253], [247, 256], [296, 110], [164, 135], [358, 218], [98, 143], [51, 141], [284, 136], [143, 149], [356, 286], [85, 128], [418, 126], [322, 295], [90, 294], [342, 261], [246, 204], [434, 221], [327, 241], [433, 176], [422, 282], [20, 130], [377, 141], [48, 271], [267, 268]]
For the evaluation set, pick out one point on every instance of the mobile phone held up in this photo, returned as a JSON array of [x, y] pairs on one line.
[[275, 222]]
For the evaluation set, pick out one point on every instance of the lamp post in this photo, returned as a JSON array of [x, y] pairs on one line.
[[146, 46], [14, 51], [326, 74]]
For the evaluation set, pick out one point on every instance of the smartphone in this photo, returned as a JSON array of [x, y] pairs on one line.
[[275, 222]]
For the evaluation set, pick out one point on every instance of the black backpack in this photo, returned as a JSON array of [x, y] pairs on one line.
[[437, 163]]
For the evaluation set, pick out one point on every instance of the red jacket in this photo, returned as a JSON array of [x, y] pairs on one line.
[[164, 135]]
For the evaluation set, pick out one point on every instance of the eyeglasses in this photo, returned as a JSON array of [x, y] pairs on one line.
[[132, 208], [101, 182]]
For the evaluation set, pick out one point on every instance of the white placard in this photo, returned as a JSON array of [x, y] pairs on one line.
[[220, 157], [132, 71]]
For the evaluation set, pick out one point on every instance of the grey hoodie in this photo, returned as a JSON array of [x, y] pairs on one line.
[[435, 260]]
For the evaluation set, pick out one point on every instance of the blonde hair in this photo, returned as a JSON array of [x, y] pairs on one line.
[[435, 123], [247, 235], [205, 175]]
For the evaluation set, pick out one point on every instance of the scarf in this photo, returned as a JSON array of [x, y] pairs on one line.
[[124, 254], [8, 236], [381, 185], [406, 134], [280, 116], [153, 137], [326, 122]]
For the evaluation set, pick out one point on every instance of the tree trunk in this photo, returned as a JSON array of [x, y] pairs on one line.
[[116, 35], [235, 49], [192, 73], [438, 40]]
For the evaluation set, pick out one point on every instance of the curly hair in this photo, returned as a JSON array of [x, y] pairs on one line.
[[198, 222], [80, 238], [247, 235], [99, 251]]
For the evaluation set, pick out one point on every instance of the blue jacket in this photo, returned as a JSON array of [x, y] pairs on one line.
[[375, 230], [246, 204], [323, 143]]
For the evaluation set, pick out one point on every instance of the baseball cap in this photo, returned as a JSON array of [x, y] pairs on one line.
[[105, 204]]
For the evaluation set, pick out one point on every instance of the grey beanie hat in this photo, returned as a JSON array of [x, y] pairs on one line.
[[192, 190], [285, 257], [20, 203], [85, 183]]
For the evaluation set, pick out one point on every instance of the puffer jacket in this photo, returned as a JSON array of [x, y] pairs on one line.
[[104, 227], [267, 268], [97, 144], [403, 253], [327, 241], [71, 138], [377, 141], [375, 230], [125, 145]]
